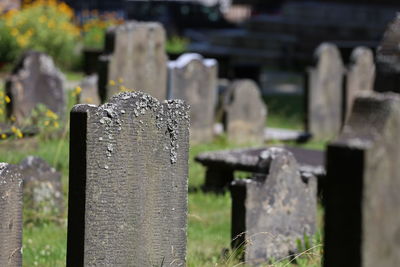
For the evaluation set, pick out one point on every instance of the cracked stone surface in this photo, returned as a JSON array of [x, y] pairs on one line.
[[132, 153]]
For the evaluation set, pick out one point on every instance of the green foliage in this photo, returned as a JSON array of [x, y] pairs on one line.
[[94, 30], [176, 45], [44, 25]]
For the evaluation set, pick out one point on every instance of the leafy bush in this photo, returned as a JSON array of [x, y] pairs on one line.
[[43, 25], [95, 27]]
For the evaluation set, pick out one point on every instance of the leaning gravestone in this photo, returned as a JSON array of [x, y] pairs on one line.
[[90, 92], [128, 183], [42, 186], [360, 76], [324, 93], [134, 59], [245, 112], [362, 197], [194, 79], [35, 80], [11, 216], [272, 211], [388, 59]]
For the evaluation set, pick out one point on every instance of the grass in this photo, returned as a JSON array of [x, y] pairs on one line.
[[44, 243]]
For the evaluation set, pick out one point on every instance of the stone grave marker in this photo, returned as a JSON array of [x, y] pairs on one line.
[[362, 197], [90, 92], [42, 186], [35, 80], [324, 93], [272, 211], [128, 182], [11, 216], [134, 59], [388, 59], [194, 79], [360, 76], [245, 113]]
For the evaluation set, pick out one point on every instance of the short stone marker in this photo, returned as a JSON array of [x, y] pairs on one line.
[[360, 76], [42, 186], [388, 59], [35, 80], [324, 93], [134, 59], [362, 197], [89, 90], [11, 216], [194, 79], [272, 211], [245, 113], [128, 182]]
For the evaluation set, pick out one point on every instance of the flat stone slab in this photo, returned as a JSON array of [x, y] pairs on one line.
[[248, 159], [279, 134]]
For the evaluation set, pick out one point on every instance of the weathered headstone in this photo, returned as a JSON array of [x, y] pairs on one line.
[[35, 80], [90, 92], [42, 186], [272, 211], [388, 59], [11, 216], [194, 79], [245, 113], [324, 93], [135, 59], [128, 183], [360, 76], [362, 225]]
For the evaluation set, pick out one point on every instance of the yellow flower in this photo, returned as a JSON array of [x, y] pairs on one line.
[[120, 80], [78, 90], [7, 99], [13, 129], [19, 134], [51, 114], [122, 88], [14, 31], [46, 123], [112, 82], [56, 125], [42, 19], [3, 136]]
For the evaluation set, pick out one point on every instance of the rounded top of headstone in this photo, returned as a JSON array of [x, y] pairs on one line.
[[133, 25], [184, 59], [327, 53], [362, 54]]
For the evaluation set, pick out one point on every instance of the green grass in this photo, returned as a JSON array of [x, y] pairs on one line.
[[285, 111]]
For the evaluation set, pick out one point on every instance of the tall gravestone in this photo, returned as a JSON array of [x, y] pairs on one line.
[[272, 211], [128, 183], [324, 93], [388, 59], [360, 76], [362, 222], [11, 216], [245, 112], [90, 92], [134, 58], [194, 79], [35, 80]]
